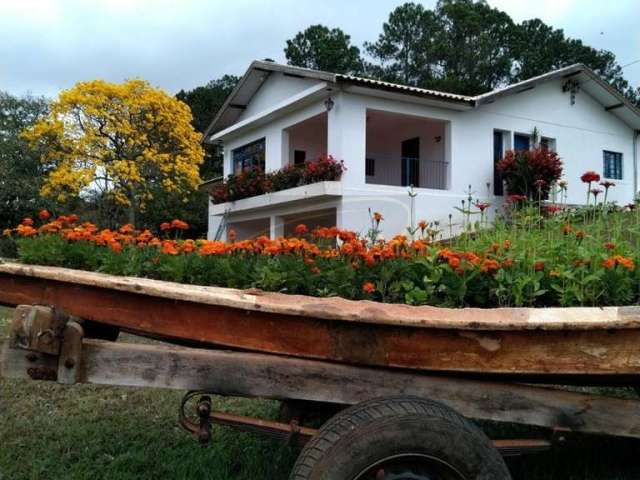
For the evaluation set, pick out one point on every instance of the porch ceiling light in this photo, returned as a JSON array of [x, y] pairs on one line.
[[329, 103]]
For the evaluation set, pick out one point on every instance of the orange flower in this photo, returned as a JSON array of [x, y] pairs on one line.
[[44, 215], [212, 247], [169, 248], [624, 262], [422, 224], [164, 226], [179, 224], [507, 262], [26, 231], [126, 229], [7, 232], [609, 263], [189, 246], [579, 234], [301, 229], [507, 244], [566, 229], [554, 273], [315, 270], [454, 262], [538, 266], [115, 247], [368, 287], [27, 221], [489, 266]]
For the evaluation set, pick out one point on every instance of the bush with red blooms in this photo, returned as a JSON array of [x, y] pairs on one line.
[[530, 173], [256, 182]]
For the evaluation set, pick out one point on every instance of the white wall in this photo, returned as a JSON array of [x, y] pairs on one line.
[[276, 88], [309, 136]]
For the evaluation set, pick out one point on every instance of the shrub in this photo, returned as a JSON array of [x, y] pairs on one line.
[[256, 182], [531, 173]]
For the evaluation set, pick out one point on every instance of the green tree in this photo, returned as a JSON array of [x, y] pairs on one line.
[[406, 47], [21, 172], [468, 47], [473, 47], [205, 101], [462, 46], [321, 48], [538, 48]]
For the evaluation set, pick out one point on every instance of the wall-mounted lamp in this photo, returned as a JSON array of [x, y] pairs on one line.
[[329, 103]]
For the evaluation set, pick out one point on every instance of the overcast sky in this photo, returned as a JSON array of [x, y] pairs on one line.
[[48, 45]]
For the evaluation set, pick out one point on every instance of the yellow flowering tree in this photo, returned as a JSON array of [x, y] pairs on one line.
[[127, 141]]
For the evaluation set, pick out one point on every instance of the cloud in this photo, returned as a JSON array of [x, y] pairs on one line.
[[48, 45]]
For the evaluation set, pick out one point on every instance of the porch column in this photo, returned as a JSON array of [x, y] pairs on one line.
[[346, 137], [276, 227]]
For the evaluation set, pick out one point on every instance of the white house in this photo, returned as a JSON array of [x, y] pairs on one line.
[[391, 136]]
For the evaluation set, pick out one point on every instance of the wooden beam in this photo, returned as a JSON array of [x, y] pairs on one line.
[[613, 107], [278, 377]]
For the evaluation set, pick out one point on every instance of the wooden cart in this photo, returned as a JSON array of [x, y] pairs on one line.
[[412, 375]]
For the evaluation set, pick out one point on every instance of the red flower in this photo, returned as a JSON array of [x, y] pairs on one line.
[[27, 221], [538, 266], [301, 229], [44, 215], [590, 176], [516, 198], [368, 287], [596, 191], [551, 209], [607, 184], [609, 246], [482, 206], [164, 226]]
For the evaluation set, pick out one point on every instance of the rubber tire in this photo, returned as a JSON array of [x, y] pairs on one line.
[[366, 433]]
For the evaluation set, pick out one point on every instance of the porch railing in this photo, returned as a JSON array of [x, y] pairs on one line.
[[431, 173]]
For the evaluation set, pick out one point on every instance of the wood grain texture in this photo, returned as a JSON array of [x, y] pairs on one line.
[[575, 318], [271, 376], [522, 352]]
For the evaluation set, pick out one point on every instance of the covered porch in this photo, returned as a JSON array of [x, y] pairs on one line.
[[405, 150]]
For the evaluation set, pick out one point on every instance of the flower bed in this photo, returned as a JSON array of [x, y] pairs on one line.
[[541, 258], [256, 182]]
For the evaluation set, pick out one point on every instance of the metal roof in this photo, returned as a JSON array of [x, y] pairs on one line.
[[613, 101]]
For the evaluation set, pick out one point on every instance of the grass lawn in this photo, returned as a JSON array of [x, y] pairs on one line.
[[48, 431]]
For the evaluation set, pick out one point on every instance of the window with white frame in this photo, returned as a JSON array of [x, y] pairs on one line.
[[612, 165]]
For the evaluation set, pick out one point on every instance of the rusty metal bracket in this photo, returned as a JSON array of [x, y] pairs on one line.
[[37, 328], [70, 359]]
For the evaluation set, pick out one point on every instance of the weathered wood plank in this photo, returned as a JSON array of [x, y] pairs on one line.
[[575, 318], [534, 353], [271, 376]]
